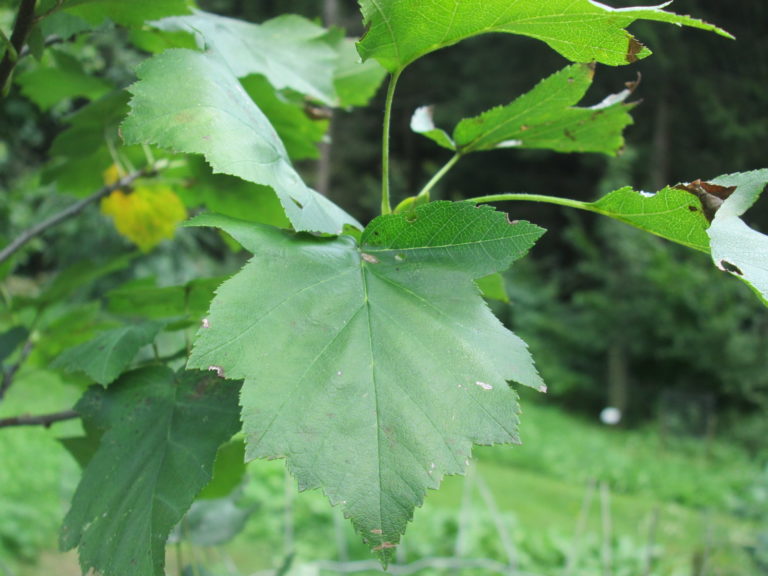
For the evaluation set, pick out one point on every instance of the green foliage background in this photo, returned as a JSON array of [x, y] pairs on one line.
[[672, 324]]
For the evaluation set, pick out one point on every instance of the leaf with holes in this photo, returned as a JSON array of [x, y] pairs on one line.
[[580, 30], [215, 117], [705, 216], [670, 213], [737, 248], [163, 433], [545, 118], [372, 367]]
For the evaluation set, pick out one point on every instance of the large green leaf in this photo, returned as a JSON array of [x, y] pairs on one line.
[[545, 117], [372, 369], [106, 356], [290, 51], [583, 31], [153, 460], [214, 116]]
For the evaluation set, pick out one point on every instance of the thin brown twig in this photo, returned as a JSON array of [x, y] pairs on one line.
[[25, 20], [45, 420], [9, 374], [74, 210]]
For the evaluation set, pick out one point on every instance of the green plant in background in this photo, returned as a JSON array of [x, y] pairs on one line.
[[364, 355]]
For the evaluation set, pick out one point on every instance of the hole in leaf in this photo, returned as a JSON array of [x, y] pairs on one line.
[[732, 268], [218, 369]]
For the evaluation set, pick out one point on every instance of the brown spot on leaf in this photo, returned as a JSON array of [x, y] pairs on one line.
[[569, 134], [371, 259], [634, 48], [524, 127], [711, 195], [384, 545], [377, 531]]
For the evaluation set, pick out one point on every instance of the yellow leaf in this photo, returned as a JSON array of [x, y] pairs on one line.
[[146, 216], [111, 175]]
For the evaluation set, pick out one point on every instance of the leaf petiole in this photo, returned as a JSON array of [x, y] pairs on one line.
[[520, 197], [439, 176], [386, 206]]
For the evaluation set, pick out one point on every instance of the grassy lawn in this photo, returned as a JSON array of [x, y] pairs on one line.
[[547, 503]]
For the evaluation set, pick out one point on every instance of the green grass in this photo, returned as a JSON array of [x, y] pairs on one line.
[[671, 497]]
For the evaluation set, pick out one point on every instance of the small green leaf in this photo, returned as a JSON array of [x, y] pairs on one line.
[[213, 522], [106, 356], [79, 275], [670, 213], [156, 456], [545, 118], [79, 155], [422, 122], [150, 301], [63, 79], [81, 448], [36, 43], [134, 13], [493, 287], [580, 30], [228, 195], [10, 340], [475, 239], [300, 133], [228, 472], [63, 25], [356, 82], [214, 116], [371, 369]]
